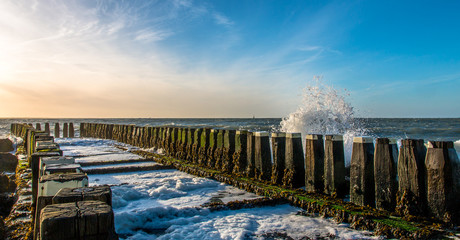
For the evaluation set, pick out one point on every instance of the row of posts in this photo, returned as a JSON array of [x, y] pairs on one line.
[[415, 180], [64, 207], [68, 130]]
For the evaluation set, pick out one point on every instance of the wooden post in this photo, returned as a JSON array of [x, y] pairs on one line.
[[71, 131], [80, 220], [211, 161], [385, 157], [228, 150], [411, 174], [65, 130], [240, 155], [334, 166], [441, 199], [204, 145], [190, 142], [279, 154], [196, 145], [96, 193], [250, 171], [263, 163], [218, 149], [47, 128], [362, 187], [314, 163], [294, 175], [38, 126], [56, 130]]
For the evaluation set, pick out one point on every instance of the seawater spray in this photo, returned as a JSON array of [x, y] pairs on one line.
[[324, 110]]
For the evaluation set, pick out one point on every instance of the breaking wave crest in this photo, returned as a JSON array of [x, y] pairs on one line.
[[324, 110]]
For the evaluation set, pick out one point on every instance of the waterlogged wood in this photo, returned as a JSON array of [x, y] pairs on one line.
[[204, 145], [97, 193], [228, 150], [250, 171], [362, 187], [262, 156], [385, 158], [81, 220], [411, 176], [294, 173], [47, 128], [314, 163], [334, 166], [240, 156], [196, 145], [211, 161], [279, 154], [65, 130], [38, 126], [57, 131], [441, 200], [71, 131]]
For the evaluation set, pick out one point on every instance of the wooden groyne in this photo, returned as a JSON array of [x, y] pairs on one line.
[[59, 204], [410, 193]]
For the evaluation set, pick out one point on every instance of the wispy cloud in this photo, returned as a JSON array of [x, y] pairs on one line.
[[222, 20]]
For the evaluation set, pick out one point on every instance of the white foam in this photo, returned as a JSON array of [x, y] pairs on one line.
[[324, 110]]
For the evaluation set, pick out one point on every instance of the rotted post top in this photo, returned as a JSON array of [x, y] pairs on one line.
[[278, 134], [261, 134], [293, 135], [363, 140]]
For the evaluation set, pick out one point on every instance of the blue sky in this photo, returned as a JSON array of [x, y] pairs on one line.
[[187, 58]]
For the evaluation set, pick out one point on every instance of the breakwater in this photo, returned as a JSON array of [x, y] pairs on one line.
[[244, 159], [59, 203]]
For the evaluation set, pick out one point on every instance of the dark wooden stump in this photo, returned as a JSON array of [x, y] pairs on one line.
[[362, 187], [251, 164], [241, 150], [294, 173], [56, 130], [262, 154], [97, 193], [441, 199], [314, 163], [81, 220], [334, 166], [65, 130], [411, 175], [279, 154], [47, 128], [228, 151], [386, 186], [38, 126]]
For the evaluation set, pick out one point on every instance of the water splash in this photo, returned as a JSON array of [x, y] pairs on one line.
[[324, 110]]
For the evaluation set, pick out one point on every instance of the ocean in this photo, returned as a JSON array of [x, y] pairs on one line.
[[439, 129]]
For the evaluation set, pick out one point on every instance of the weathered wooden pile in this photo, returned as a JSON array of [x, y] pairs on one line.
[[64, 207], [418, 180]]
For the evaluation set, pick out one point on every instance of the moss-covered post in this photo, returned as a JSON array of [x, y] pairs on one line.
[[314, 163], [411, 197], [228, 150], [441, 160], [218, 151], [362, 187], [251, 164], [263, 163], [56, 130], [188, 155], [196, 145], [204, 145], [279, 154], [334, 166], [294, 174], [385, 158], [240, 155], [211, 161]]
